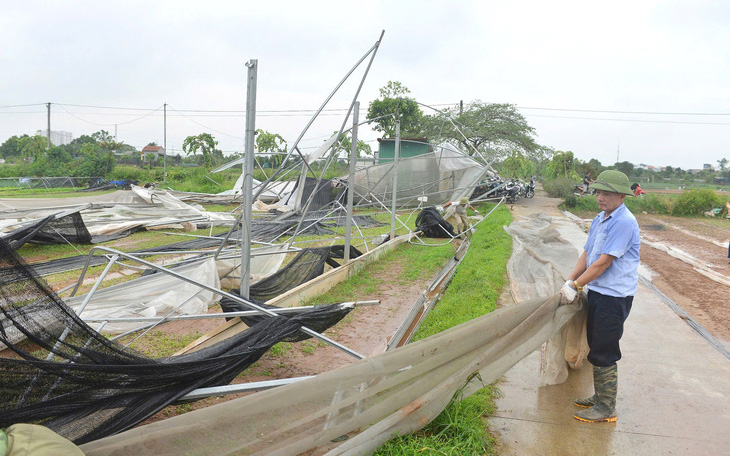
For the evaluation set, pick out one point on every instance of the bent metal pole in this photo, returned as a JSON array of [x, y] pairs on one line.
[[239, 299]]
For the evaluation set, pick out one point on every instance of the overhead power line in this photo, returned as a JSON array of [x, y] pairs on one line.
[[22, 105], [629, 112], [631, 120]]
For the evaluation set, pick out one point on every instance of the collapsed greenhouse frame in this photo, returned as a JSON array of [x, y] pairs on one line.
[[368, 195]]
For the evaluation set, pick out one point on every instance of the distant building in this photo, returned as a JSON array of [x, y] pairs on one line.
[[409, 147], [58, 138], [157, 150]]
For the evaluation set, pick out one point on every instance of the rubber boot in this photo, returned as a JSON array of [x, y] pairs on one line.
[[605, 382], [587, 402]]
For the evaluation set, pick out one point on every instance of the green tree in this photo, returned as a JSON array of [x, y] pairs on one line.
[[271, 143], [12, 147], [518, 166], [561, 166], [107, 142], [625, 167], [203, 143], [74, 147], [495, 130], [393, 105], [33, 146], [345, 144], [94, 163], [723, 164]]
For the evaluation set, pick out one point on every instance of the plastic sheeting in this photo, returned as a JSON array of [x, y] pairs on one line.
[[541, 262], [163, 295], [115, 213], [443, 175], [371, 401], [156, 295], [364, 404]]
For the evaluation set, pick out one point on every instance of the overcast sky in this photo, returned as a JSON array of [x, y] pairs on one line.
[[647, 80]]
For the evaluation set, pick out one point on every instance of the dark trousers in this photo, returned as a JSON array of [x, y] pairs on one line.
[[606, 317]]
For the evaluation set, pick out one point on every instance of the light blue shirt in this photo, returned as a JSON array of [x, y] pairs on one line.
[[616, 235]]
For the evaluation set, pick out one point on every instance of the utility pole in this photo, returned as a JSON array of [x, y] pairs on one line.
[[351, 180], [115, 132], [618, 149], [164, 143], [48, 132], [247, 189], [394, 203], [461, 107]]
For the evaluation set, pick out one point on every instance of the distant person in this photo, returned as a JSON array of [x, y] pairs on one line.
[[460, 213], [609, 267], [637, 189], [587, 181]]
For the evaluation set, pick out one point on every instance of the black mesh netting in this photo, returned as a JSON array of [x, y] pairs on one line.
[[93, 387], [430, 222], [326, 193], [317, 318], [50, 230], [339, 218], [308, 264]]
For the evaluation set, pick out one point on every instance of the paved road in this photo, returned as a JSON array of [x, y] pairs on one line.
[[674, 388]]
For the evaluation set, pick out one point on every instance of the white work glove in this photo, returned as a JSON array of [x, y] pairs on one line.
[[568, 293], [440, 209], [476, 212]]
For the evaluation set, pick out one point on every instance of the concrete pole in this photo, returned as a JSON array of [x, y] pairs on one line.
[[247, 189], [48, 131], [164, 143], [395, 179], [351, 180]]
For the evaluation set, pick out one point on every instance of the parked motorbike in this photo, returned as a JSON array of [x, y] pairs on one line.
[[578, 190], [528, 189]]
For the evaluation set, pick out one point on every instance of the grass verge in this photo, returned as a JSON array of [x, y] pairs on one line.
[[460, 429]]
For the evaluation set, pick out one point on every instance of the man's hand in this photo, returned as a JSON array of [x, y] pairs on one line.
[[568, 292]]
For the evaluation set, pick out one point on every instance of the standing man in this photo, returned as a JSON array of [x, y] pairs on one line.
[[608, 266], [587, 181]]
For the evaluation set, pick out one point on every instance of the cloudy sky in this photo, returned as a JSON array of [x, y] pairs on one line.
[[646, 80]]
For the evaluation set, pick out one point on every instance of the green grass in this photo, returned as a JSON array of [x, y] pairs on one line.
[[688, 203], [460, 429], [16, 192], [479, 279], [162, 344], [428, 259]]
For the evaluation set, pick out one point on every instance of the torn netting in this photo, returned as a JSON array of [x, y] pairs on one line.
[[317, 318], [50, 230], [308, 264], [74, 381]]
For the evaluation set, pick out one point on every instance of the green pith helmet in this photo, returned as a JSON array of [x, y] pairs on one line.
[[612, 181], [464, 201]]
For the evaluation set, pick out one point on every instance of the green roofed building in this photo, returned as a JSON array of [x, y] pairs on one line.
[[409, 147]]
